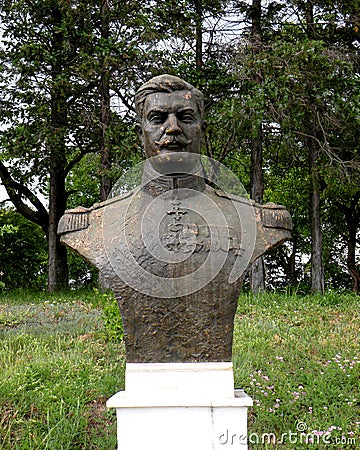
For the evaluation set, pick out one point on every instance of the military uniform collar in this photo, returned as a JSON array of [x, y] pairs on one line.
[[155, 183]]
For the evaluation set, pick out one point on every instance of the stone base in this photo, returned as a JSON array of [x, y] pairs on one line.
[[180, 406]]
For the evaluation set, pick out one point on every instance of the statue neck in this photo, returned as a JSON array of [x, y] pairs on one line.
[[155, 183]]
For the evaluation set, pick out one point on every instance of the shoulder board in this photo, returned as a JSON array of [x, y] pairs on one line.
[[271, 205], [275, 216], [74, 220]]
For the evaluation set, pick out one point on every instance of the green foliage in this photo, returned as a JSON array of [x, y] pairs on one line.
[[23, 255], [112, 319], [23, 259], [54, 56], [81, 273], [8, 229], [294, 105]]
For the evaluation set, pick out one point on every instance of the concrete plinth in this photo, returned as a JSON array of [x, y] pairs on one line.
[[180, 406]]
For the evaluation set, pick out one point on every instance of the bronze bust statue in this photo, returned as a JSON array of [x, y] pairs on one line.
[[174, 249]]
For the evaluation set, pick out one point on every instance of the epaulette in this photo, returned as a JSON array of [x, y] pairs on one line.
[[272, 215], [275, 216], [74, 220]]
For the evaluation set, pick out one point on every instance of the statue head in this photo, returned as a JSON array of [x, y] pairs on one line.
[[170, 124]]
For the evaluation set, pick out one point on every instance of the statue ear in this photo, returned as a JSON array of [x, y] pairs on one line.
[[139, 132]]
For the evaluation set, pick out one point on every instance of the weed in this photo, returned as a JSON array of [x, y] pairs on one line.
[[112, 320]]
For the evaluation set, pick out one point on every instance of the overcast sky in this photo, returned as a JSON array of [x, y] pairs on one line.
[[3, 194]]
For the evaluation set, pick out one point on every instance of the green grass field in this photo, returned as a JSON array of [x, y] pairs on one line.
[[297, 357]]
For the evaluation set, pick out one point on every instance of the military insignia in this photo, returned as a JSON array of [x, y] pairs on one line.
[[275, 216], [179, 237], [176, 211], [74, 220]]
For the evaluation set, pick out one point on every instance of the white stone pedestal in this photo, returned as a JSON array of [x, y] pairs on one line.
[[180, 406]]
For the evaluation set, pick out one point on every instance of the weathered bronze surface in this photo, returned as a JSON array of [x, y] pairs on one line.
[[174, 250]]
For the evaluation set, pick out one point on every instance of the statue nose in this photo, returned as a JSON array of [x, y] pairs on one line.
[[172, 125]]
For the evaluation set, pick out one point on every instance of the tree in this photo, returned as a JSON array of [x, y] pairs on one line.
[[51, 106], [351, 213], [67, 64], [257, 270], [43, 41], [312, 141], [303, 116], [105, 100]]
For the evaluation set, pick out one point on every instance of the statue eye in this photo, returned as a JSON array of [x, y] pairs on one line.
[[187, 117], [157, 118]]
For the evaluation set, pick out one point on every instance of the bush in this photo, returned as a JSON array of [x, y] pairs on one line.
[[23, 252]]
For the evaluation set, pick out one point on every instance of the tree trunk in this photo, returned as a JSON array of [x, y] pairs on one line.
[[352, 220], [198, 34], [317, 269], [106, 184], [288, 263], [58, 268], [292, 267], [105, 152], [309, 17], [257, 270], [351, 260]]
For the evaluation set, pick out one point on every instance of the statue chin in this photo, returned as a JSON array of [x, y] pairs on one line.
[[175, 163]]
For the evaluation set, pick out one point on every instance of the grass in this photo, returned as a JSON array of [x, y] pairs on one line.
[[57, 370], [297, 357]]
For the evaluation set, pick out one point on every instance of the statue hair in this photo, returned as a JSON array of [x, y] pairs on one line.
[[166, 83]]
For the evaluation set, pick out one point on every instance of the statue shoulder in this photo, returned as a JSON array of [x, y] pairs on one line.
[[275, 216], [236, 198], [73, 220], [78, 218], [271, 215], [112, 200]]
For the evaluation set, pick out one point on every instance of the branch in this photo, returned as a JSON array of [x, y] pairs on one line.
[[226, 147], [74, 161], [16, 191], [355, 200], [327, 150], [208, 146], [124, 100], [84, 151], [81, 90]]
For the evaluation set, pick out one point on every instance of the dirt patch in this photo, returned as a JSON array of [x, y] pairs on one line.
[[98, 416]]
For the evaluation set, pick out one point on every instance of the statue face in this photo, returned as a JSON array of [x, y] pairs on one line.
[[171, 131]]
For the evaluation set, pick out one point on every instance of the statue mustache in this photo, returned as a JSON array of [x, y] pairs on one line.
[[181, 142]]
